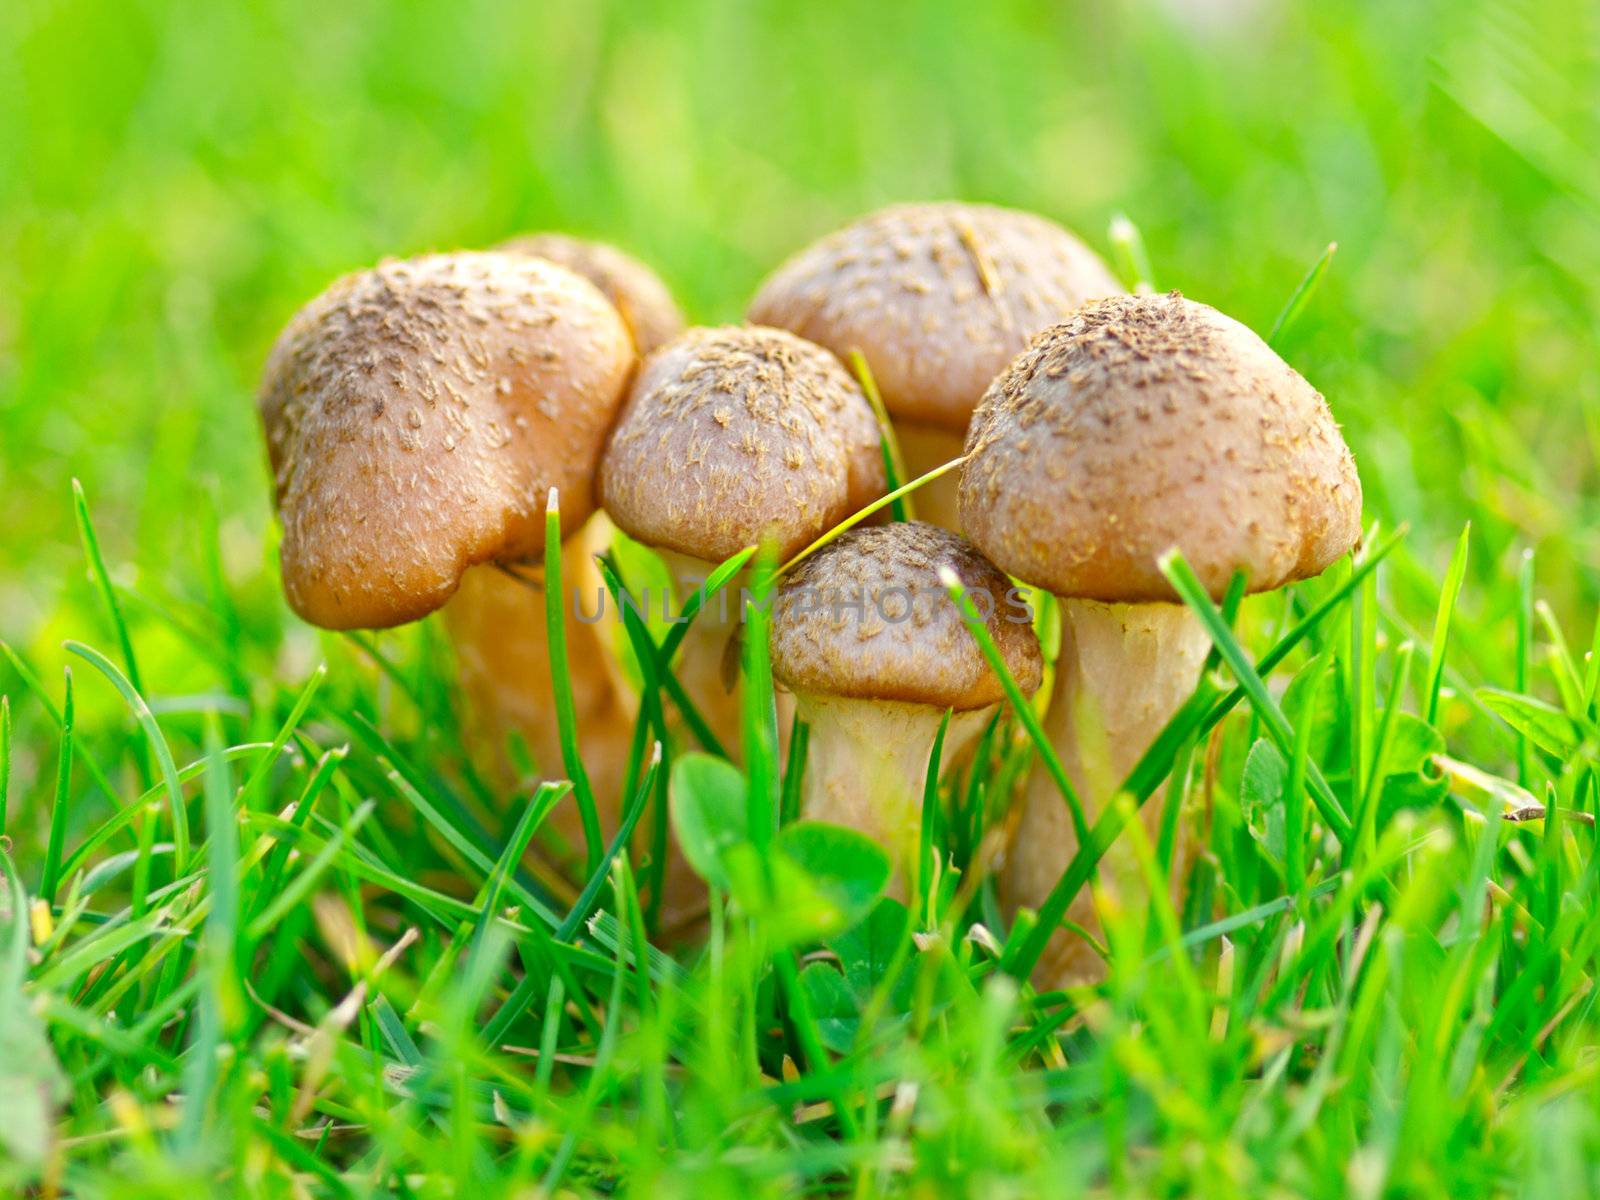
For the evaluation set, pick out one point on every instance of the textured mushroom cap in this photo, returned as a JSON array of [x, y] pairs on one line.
[[1145, 423], [732, 431], [906, 640], [647, 307], [417, 415], [937, 297]]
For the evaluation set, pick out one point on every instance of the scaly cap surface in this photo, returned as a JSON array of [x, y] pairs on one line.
[[866, 617], [1145, 423], [732, 431], [937, 297], [637, 292]]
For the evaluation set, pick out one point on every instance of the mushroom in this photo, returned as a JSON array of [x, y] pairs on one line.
[[417, 415], [1139, 425], [730, 434], [937, 298], [647, 307], [867, 638]]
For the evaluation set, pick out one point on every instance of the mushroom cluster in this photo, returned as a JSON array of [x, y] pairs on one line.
[[419, 414]]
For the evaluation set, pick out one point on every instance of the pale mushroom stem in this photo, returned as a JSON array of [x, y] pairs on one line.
[[922, 448], [867, 764], [1124, 669]]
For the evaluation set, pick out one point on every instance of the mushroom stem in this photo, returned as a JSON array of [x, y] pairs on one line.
[[867, 764], [922, 448], [1124, 669]]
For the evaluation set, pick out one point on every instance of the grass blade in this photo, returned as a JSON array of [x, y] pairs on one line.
[[1366, 816], [158, 747], [584, 904], [1304, 627], [1129, 253], [850, 522], [929, 832], [758, 713], [598, 1076], [549, 1036], [305, 804], [698, 599], [1591, 677], [1361, 682], [5, 761], [894, 469], [1301, 296], [794, 771], [1441, 622], [1294, 835], [655, 666], [220, 1002], [1524, 655], [285, 731], [1562, 667], [102, 583], [1019, 702], [129, 813], [561, 683], [652, 673], [533, 815], [1147, 774], [36, 686], [453, 835], [58, 810], [1189, 588], [284, 901]]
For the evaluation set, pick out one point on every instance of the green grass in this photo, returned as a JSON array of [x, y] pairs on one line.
[[263, 930]]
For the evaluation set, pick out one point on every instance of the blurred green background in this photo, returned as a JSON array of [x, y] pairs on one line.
[[175, 178]]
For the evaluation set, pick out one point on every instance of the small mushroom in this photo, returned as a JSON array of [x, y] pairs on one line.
[[867, 638], [637, 293], [417, 415], [731, 434], [937, 298], [1139, 425]]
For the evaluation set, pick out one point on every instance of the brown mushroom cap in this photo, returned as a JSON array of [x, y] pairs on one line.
[[937, 297], [1145, 423], [906, 641], [417, 415], [647, 307], [733, 431]]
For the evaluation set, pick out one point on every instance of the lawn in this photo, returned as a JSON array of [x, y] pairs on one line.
[[204, 991]]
